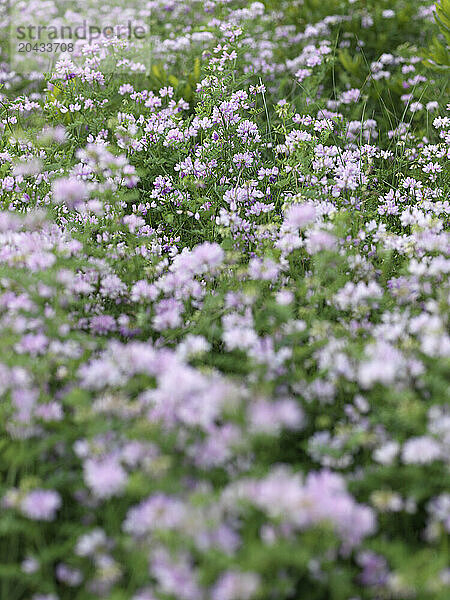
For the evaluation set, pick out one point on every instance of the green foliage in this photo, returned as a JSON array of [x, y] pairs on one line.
[[438, 54]]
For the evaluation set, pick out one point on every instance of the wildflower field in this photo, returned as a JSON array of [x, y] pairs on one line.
[[224, 300]]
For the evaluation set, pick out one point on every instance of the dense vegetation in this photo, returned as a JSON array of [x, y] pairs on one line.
[[224, 305]]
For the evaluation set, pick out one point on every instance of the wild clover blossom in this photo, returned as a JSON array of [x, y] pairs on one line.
[[105, 477], [421, 450], [68, 191], [41, 505]]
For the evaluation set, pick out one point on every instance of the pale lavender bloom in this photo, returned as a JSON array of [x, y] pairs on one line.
[[237, 337], [30, 565], [284, 297], [331, 501], [235, 585], [219, 446], [143, 290], [134, 453], [68, 575], [52, 411], [175, 577], [8, 183], [320, 240], [270, 417], [385, 364], [186, 397], [168, 314], [374, 567], [349, 176], [157, 512], [357, 295], [104, 476], [223, 537], [432, 106], [30, 167], [69, 191], [421, 450], [439, 509], [202, 259], [32, 343], [52, 134], [146, 594], [24, 401], [238, 331], [444, 576], [321, 498], [90, 543], [103, 324], [350, 96], [41, 505], [265, 269], [415, 107], [192, 345], [243, 159], [386, 453], [133, 222], [108, 572], [112, 286], [302, 74], [126, 88]]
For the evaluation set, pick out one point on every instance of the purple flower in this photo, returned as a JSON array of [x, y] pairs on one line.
[[30, 565], [103, 324], [41, 505], [234, 585], [157, 512], [270, 417], [175, 577], [421, 450], [51, 411], [68, 575], [69, 191], [320, 240], [375, 571], [105, 476]]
